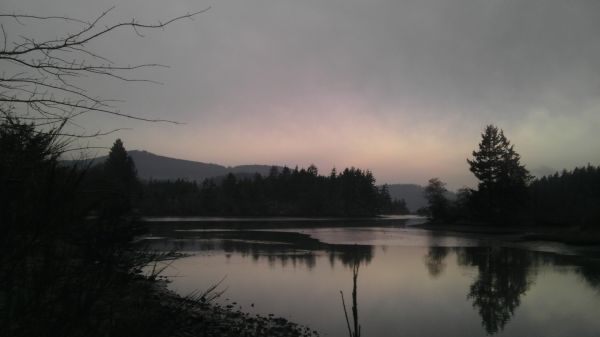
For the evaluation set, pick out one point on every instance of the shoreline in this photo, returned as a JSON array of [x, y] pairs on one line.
[[198, 318], [279, 219], [573, 236]]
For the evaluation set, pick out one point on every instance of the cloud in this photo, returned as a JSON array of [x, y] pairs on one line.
[[401, 87]]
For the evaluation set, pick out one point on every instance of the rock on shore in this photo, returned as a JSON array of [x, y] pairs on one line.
[[196, 318]]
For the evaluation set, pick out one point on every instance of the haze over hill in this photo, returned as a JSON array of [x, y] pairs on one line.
[[411, 193], [152, 166]]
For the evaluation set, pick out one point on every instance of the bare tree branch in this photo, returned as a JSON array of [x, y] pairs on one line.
[[72, 40], [42, 87]]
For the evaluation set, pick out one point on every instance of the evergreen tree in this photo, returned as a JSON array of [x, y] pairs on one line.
[[503, 180], [117, 189], [119, 166]]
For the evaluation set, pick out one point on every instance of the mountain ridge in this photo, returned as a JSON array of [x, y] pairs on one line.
[[152, 166]]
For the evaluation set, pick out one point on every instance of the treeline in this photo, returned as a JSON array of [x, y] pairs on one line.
[[285, 192], [508, 195], [571, 197]]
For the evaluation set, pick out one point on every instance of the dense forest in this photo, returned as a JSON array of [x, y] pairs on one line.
[[285, 192], [508, 195], [571, 197]]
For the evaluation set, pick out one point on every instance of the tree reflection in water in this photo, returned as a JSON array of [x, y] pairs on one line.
[[282, 247], [590, 272], [503, 278], [505, 275], [434, 260]]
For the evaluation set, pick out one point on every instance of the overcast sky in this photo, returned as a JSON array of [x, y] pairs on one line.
[[403, 88]]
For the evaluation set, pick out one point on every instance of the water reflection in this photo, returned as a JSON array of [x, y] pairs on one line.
[[503, 278], [437, 275], [591, 274], [285, 248], [434, 260]]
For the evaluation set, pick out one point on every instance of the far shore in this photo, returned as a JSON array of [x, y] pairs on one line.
[[194, 218], [574, 236]]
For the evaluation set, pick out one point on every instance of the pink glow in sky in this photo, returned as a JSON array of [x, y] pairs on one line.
[[402, 88]]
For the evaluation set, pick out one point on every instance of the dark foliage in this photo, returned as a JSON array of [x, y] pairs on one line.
[[297, 192], [568, 198], [67, 262], [502, 189], [507, 194], [438, 204]]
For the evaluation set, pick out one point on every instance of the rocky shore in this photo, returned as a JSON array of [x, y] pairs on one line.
[[198, 318]]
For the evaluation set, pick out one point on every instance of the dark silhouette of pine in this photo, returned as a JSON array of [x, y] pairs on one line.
[[297, 192], [502, 188]]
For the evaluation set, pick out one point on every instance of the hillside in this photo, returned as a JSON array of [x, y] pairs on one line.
[[413, 195], [152, 166]]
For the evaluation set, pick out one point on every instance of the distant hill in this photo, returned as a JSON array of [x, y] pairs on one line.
[[152, 166], [413, 195]]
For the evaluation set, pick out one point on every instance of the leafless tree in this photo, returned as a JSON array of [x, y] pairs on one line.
[[43, 84]]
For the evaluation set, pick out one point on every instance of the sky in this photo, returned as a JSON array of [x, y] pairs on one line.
[[402, 88]]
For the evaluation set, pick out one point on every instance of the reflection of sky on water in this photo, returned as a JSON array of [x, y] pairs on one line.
[[410, 283]]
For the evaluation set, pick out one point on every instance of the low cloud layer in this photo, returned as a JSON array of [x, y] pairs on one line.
[[401, 87]]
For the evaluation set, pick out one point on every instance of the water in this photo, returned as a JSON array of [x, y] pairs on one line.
[[410, 282]]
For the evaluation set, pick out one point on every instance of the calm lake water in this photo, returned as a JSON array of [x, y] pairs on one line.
[[410, 282]]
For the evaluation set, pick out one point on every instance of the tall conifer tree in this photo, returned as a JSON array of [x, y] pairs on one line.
[[502, 178]]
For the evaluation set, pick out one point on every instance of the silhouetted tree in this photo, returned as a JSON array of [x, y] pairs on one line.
[[435, 195], [119, 166], [312, 170], [301, 192], [502, 187], [117, 186]]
